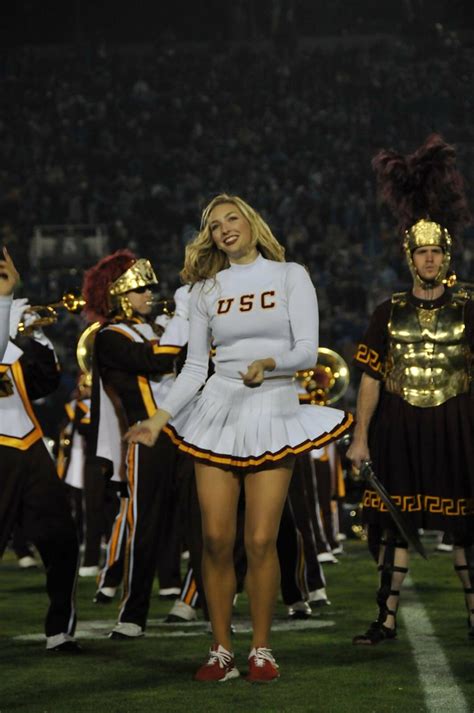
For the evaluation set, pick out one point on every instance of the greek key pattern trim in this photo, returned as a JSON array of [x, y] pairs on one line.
[[417, 503]]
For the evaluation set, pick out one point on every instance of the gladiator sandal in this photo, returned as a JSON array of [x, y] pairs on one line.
[[391, 576], [464, 575]]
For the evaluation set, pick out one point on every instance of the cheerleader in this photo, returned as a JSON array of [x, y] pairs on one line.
[[246, 425]]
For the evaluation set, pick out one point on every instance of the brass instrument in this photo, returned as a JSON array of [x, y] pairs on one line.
[[164, 305], [47, 314], [327, 380], [84, 350]]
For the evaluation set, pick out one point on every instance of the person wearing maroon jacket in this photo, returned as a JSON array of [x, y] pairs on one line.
[[31, 494], [132, 369]]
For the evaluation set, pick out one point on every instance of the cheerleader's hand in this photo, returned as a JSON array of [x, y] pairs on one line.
[[256, 372], [147, 431], [142, 432]]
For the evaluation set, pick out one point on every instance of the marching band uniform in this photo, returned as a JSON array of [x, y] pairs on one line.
[[96, 506], [31, 492], [330, 487], [133, 367], [5, 303]]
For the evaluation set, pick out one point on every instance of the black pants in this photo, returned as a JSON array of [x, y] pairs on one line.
[[32, 495], [304, 504], [101, 505], [149, 472]]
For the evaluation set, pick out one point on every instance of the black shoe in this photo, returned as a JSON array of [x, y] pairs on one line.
[[375, 634], [173, 619], [101, 598], [67, 647], [117, 636]]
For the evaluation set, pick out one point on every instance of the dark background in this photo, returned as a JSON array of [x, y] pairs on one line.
[[119, 121]]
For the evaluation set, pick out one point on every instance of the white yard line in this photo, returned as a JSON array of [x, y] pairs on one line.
[[156, 629], [442, 693]]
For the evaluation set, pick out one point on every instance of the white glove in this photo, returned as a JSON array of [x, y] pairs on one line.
[[39, 336], [182, 297], [16, 313], [162, 320]]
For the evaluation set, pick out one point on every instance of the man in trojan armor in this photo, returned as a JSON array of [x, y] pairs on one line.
[[415, 419]]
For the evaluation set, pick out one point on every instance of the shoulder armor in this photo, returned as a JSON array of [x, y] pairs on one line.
[[399, 298]]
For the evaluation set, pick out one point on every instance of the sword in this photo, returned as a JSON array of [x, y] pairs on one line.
[[403, 523]]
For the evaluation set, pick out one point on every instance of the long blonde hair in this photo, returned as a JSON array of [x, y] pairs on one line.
[[204, 260]]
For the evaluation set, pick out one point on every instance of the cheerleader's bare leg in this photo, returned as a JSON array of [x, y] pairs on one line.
[[265, 495], [218, 493]]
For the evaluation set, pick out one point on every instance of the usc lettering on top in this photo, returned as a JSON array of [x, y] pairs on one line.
[[266, 300]]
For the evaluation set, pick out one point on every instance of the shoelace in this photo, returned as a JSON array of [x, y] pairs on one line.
[[261, 655], [223, 657]]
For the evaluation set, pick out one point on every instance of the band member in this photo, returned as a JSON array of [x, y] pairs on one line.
[[111, 575], [8, 279], [246, 425], [31, 494], [414, 413], [94, 507], [132, 369]]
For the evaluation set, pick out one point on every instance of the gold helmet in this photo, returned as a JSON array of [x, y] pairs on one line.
[[140, 274], [425, 192], [107, 283], [422, 234]]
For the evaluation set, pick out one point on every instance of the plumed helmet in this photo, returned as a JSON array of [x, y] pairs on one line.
[[425, 192], [105, 284]]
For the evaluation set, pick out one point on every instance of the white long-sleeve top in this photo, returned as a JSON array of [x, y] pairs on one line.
[[5, 304], [265, 309]]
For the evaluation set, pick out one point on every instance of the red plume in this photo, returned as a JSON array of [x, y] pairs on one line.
[[424, 184], [97, 280]]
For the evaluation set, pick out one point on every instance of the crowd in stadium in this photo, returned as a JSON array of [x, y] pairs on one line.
[[138, 139]]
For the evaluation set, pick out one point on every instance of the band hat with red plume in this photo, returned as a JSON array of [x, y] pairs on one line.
[[425, 191], [106, 284]]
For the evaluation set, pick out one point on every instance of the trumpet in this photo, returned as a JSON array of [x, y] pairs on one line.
[[47, 314], [164, 305]]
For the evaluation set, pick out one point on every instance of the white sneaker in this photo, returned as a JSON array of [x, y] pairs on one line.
[[319, 598], [88, 571], [443, 547], [299, 610], [105, 595], [339, 550], [181, 612], [126, 630], [27, 562], [327, 557], [62, 643]]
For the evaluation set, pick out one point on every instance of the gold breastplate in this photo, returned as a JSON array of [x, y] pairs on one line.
[[429, 359]]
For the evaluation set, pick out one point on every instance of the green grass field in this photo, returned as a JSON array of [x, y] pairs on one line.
[[320, 670]]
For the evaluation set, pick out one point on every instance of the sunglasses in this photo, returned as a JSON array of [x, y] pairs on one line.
[[141, 290]]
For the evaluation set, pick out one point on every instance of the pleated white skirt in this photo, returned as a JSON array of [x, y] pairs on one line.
[[232, 425]]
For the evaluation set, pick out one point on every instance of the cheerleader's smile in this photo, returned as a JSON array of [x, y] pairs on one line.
[[231, 233]]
